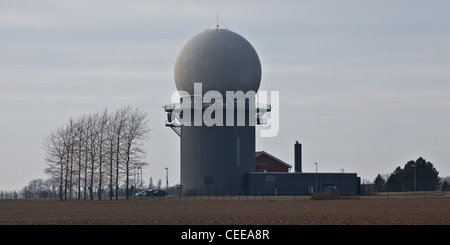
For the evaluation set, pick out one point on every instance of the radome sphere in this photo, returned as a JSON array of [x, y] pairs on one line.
[[221, 60]]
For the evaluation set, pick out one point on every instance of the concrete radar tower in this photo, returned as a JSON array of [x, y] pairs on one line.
[[217, 74]]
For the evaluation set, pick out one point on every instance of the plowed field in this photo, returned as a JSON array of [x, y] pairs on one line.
[[227, 212]]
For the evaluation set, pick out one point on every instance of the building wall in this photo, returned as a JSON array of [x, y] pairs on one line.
[[302, 183], [264, 163], [216, 158]]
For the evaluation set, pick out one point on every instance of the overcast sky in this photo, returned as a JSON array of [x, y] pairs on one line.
[[364, 85]]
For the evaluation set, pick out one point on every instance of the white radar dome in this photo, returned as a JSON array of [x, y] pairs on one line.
[[221, 60]]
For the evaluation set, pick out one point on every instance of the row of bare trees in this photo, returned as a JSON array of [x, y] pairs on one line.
[[97, 150]]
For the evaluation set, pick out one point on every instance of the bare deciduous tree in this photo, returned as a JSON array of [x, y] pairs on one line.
[[55, 157], [102, 124], [95, 146], [135, 133]]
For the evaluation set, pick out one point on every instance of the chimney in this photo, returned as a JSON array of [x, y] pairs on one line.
[[298, 157]]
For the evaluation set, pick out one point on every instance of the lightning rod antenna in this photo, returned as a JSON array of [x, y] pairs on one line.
[[217, 20]]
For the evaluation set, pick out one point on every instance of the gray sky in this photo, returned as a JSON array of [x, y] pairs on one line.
[[364, 85]]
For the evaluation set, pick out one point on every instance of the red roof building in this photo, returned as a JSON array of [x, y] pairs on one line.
[[267, 163]]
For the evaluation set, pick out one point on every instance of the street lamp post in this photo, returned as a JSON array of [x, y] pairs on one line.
[[415, 178], [316, 177], [140, 186], [167, 179]]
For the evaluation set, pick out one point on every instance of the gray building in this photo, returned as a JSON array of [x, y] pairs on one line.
[[216, 127], [302, 183], [217, 74]]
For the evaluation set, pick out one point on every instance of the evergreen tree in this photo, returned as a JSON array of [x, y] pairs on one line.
[[150, 184], [445, 186], [395, 180], [417, 175], [379, 183]]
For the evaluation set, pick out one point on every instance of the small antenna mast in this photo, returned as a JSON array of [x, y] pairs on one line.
[[217, 23]]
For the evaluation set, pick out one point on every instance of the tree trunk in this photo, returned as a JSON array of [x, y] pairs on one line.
[[61, 181], [111, 174], [79, 172]]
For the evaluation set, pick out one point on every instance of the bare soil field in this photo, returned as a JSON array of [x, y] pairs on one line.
[[167, 211]]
